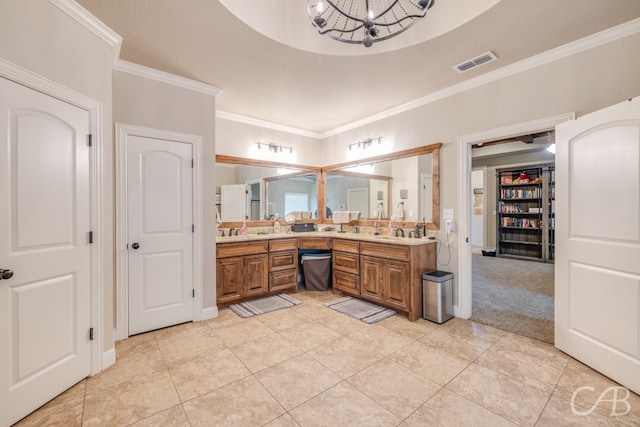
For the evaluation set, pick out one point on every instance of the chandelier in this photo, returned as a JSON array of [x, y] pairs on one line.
[[365, 21]]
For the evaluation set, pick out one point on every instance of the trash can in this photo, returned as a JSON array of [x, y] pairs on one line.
[[437, 301], [317, 272]]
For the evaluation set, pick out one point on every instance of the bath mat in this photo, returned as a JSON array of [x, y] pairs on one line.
[[264, 305], [361, 310]]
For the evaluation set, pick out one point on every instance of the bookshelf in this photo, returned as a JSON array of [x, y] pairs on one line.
[[525, 203]]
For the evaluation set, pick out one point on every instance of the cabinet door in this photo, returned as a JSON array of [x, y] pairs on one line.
[[229, 278], [256, 280], [371, 278], [396, 284]]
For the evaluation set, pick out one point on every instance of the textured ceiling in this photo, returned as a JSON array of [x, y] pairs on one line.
[[264, 79]]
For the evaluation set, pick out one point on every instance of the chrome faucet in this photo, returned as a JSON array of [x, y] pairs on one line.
[[400, 230]]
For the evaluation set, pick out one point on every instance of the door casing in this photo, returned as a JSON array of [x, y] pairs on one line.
[[123, 131], [463, 308]]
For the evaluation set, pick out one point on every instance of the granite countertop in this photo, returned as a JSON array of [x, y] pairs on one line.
[[334, 234]]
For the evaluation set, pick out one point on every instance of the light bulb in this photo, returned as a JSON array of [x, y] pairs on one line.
[[320, 7]]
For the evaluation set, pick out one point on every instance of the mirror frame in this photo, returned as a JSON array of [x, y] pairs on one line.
[[433, 149], [301, 170]]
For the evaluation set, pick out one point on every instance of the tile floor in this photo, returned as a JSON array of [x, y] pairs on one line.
[[312, 366]]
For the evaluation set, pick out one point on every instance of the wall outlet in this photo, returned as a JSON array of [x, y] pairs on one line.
[[449, 225]]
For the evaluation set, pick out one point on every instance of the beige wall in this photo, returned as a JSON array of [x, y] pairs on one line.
[[581, 83], [38, 36], [239, 140], [152, 104]]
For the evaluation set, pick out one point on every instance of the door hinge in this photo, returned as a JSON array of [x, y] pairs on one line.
[[193, 293], [193, 228], [90, 334], [90, 140], [91, 237]]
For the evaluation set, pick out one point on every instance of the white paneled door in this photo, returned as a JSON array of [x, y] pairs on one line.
[[44, 240], [597, 318], [160, 232]]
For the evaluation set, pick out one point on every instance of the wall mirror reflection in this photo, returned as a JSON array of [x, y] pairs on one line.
[[402, 187], [253, 191], [399, 190]]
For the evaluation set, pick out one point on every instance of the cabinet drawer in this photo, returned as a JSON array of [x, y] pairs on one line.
[[347, 283], [282, 245], [349, 263], [283, 280], [224, 250], [314, 242], [399, 252], [346, 246], [283, 260]]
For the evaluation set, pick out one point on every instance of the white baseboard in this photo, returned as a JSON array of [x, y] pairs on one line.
[[209, 313], [108, 358]]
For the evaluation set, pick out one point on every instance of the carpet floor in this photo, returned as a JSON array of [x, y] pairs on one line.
[[514, 295]]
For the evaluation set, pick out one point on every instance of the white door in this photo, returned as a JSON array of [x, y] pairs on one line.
[[44, 240], [426, 182], [597, 291], [235, 202], [358, 200], [160, 233]]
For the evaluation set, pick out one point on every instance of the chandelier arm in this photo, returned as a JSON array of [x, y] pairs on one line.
[[388, 24], [340, 11]]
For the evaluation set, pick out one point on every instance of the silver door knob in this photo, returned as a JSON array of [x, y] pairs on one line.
[[5, 274], [136, 245]]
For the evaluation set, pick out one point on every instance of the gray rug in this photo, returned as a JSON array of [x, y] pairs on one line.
[[264, 305], [514, 295], [359, 309]]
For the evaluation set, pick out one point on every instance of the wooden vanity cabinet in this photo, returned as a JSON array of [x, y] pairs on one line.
[[391, 275], [241, 271]]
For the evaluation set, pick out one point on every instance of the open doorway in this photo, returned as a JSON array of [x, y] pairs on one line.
[[512, 272]]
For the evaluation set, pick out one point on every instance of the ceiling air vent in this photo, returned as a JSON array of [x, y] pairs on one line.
[[475, 62]]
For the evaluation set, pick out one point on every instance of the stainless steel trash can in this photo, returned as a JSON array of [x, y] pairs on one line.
[[317, 272], [437, 301]]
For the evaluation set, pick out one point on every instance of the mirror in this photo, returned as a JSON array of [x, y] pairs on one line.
[[403, 187], [254, 191], [294, 195], [400, 190], [358, 191]]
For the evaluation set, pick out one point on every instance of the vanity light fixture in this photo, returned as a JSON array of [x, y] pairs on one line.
[[276, 148], [366, 143], [365, 21]]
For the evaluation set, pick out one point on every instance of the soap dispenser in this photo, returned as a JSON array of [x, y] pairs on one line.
[[416, 230], [244, 228], [390, 232], [276, 226]]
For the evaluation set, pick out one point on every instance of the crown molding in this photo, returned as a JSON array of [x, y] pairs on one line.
[[267, 125], [93, 24], [589, 42], [163, 77], [84, 17]]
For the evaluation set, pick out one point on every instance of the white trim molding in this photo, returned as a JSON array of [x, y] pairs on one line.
[[122, 133], [94, 108], [463, 309], [162, 77]]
